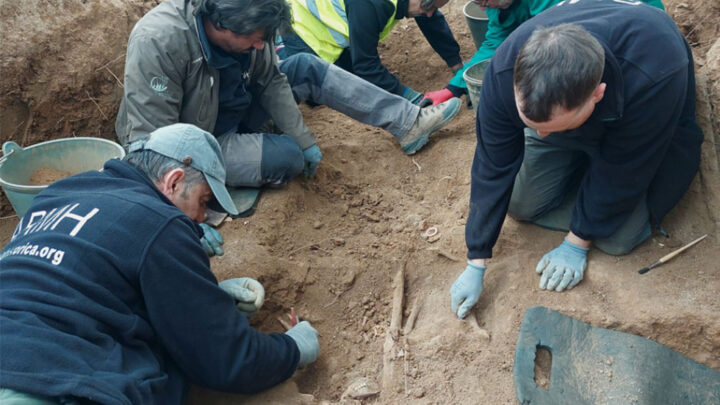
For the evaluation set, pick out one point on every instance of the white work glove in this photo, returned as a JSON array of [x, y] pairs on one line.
[[247, 292], [306, 339]]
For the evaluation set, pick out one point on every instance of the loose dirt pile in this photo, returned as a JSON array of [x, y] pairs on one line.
[[46, 175], [331, 246]]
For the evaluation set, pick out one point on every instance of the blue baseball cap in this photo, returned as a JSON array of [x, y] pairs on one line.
[[192, 146]]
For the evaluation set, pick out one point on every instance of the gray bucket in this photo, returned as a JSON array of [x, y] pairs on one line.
[[473, 77], [72, 155], [477, 20]]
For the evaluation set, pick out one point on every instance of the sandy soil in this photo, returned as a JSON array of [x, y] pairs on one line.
[[47, 175], [331, 246]]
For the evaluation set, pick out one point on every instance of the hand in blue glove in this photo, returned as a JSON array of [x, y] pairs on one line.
[[247, 292], [466, 290], [305, 337], [563, 267], [416, 98], [211, 241], [312, 157]]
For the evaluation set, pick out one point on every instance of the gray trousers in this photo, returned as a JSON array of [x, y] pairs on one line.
[[260, 159], [546, 189]]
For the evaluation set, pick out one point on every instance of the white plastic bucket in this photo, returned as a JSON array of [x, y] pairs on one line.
[[473, 77], [72, 155], [477, 21]]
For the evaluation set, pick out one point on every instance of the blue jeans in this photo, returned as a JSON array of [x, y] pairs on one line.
[[317, 81], [291, 44], [546, 189]]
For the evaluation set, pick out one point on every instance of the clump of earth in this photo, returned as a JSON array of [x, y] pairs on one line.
[[331, 246]]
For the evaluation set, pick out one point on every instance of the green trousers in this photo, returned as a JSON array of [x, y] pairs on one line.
[[547, 185]]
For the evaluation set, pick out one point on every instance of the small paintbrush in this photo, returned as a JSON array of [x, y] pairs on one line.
[[670, 255]]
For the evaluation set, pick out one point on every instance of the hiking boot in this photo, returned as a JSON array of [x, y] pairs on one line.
[[429, 120]]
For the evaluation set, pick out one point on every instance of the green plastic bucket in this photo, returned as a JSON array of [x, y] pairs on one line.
[[473, 77], [477, 21], [72, 155]]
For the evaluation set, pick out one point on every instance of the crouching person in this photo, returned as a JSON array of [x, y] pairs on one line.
[[106, 293]]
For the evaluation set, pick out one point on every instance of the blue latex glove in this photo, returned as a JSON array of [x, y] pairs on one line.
[[563, 267], [211, 241], [466, 290], [247, 292], [312, 157], [305, 336], [416, 98]]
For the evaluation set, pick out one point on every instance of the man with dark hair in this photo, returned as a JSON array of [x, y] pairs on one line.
[[610, 140], [196, 62], [210, 63], [347, 34], [503, 17], [106, 294]]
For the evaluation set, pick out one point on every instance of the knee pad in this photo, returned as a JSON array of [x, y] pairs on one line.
[[282, 160]]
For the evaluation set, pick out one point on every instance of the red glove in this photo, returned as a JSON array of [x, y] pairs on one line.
[[439, 96]]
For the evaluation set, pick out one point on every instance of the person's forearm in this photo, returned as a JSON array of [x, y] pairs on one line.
[[438, 34], [478, 262], [366, 21], [577, 241]]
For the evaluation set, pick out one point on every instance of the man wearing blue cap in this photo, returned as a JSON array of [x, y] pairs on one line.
[[106, 294]]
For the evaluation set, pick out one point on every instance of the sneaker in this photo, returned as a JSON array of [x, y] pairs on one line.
[[428, 121]]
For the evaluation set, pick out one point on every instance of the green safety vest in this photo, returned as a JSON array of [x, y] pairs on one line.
[[323, 25]]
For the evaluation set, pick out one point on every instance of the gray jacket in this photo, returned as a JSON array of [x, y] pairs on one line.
[[168, 79]]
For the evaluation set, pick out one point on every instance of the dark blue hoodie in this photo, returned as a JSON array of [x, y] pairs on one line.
[[645, 138], [106, 293]]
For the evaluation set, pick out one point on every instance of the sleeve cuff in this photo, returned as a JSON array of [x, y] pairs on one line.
[[455, 90], [479, 254], [453, 61]]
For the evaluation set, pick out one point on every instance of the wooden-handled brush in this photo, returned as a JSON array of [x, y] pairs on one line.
[[670, 255]]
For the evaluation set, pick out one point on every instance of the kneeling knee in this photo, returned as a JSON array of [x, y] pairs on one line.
[[282, 161], [522, 211], [303, 66], [624, 242], [615, 247]]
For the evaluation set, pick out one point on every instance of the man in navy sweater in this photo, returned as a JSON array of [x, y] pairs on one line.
[[584, 126], [106, 293]]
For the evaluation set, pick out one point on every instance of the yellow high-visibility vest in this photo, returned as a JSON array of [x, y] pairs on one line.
[[323, 25]]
